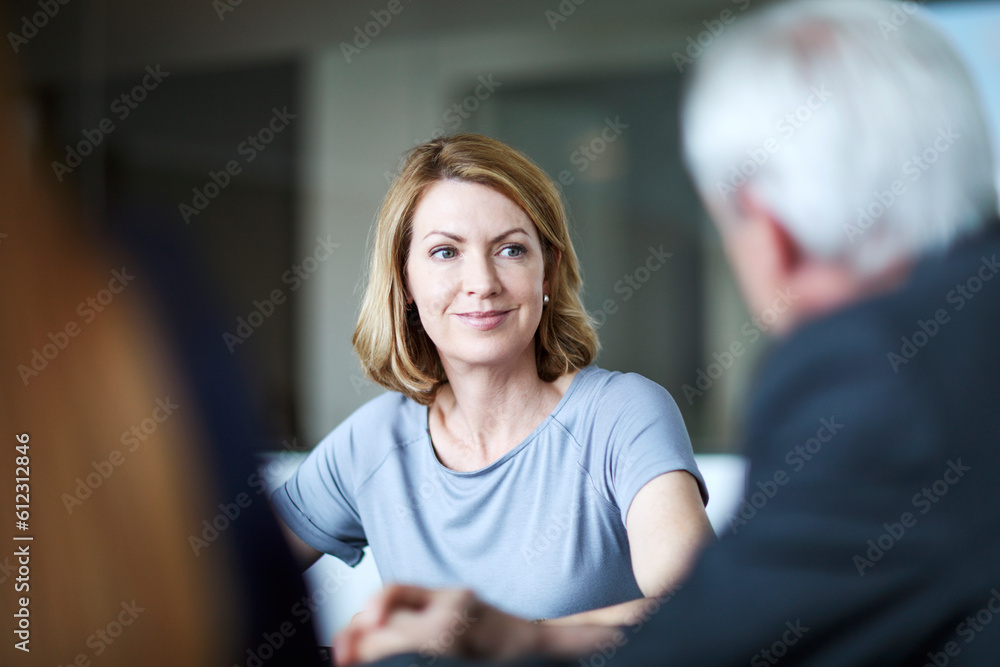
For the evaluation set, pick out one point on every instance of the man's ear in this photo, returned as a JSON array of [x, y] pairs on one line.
[[785, 252]]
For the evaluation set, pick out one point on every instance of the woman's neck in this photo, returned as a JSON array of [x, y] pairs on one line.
[[484, 412]]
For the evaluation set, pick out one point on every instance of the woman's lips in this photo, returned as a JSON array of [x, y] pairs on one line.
[[486, 320]]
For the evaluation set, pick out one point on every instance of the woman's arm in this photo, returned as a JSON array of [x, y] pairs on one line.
[[667, 526], [304, 553]]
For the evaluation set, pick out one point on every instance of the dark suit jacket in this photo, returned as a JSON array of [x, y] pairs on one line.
[[870, 530]]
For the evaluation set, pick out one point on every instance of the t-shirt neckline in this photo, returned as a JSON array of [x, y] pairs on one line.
[[513, 452]]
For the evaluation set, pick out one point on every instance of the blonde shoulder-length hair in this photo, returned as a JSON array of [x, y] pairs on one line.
[[393, 347]]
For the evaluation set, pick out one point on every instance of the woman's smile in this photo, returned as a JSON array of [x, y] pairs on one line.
[[484, 320]]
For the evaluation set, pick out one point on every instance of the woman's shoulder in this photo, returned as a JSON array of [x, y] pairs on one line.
[[594, 385], [388, 421]]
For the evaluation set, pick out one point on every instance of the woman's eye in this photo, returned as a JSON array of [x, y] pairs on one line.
[[443, 253], [513, 251]]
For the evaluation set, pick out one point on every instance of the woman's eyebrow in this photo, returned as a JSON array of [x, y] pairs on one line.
[[461, 239]]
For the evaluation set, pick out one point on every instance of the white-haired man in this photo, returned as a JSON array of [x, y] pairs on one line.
[[844, 156]]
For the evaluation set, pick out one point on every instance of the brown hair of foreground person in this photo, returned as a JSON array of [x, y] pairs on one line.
[[112, 578]]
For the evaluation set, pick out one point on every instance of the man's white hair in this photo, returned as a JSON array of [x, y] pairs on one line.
[[853, 121]]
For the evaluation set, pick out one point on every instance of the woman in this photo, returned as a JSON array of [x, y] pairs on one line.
[[499, 460]]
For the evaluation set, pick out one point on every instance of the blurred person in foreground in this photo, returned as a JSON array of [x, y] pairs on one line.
[[119, 464], [869, 532]]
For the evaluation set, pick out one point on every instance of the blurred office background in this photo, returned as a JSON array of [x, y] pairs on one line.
[[253, 141], [310, 104]]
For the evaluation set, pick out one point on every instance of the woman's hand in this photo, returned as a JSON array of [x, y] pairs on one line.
[[408, 619]]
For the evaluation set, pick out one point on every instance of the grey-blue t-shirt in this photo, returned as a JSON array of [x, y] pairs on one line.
[[539, 533]]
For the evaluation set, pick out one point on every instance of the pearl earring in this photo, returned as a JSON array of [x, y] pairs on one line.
[[545, 300]]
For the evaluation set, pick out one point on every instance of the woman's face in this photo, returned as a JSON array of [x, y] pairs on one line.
[[476, 274]]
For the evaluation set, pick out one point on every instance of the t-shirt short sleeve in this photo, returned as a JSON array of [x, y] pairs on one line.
[[643, 435], [318, 501]]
